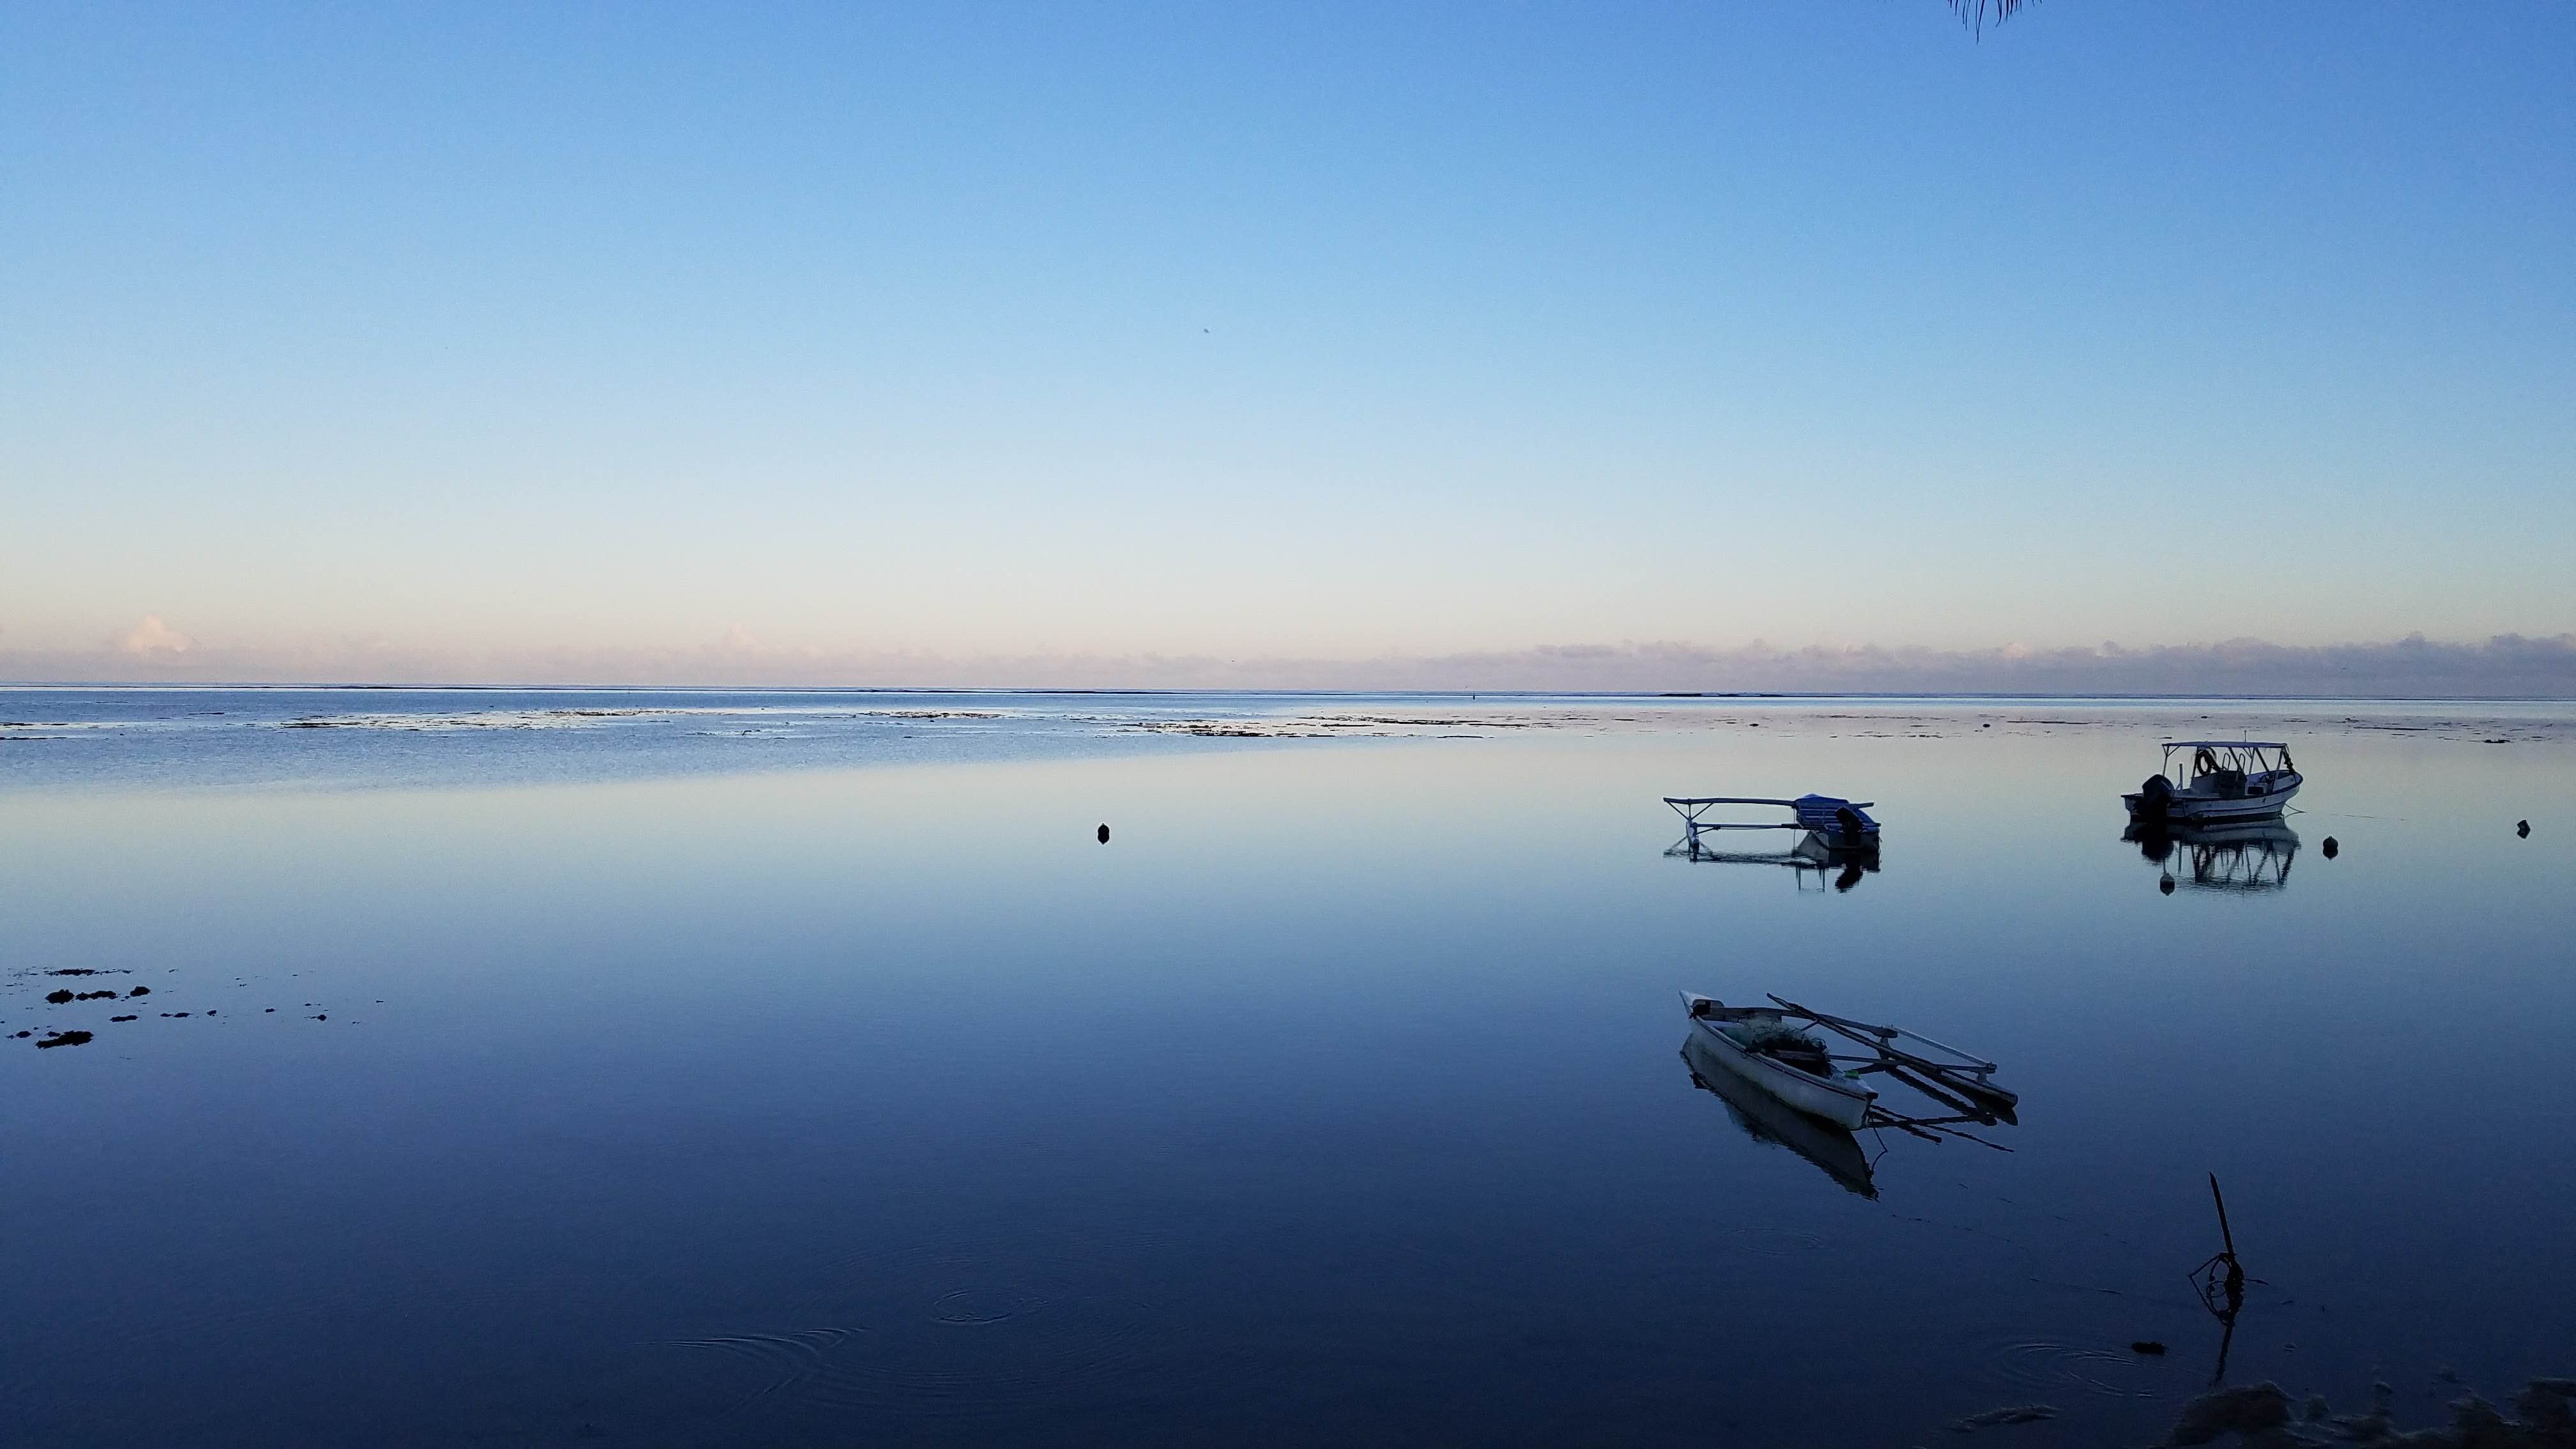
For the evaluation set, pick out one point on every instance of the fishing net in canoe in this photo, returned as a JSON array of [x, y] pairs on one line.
[[1774, 1038]]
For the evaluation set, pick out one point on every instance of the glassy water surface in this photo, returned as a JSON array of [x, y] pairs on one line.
[[678, 1069]]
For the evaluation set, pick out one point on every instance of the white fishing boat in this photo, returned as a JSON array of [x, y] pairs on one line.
[[1776, 1048], [2217, 780], [1759, 1045]]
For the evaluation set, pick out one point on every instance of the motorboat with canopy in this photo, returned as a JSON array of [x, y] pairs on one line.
[[2217, 780]]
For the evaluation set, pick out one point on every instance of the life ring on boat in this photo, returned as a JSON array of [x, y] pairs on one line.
[[2203, 763]]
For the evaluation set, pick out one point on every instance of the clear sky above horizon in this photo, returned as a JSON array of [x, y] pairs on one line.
[[1308, 331]]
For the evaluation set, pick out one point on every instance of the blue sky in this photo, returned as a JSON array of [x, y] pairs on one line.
[[839, 335]]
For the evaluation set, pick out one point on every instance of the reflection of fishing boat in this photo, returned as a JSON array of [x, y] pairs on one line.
[[1813, 857], [1841, 824], [2232, 855], [1766, 1118], [1777, 1049], [2218, 780]]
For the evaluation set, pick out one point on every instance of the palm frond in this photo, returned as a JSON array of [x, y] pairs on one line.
[[1972, 13]]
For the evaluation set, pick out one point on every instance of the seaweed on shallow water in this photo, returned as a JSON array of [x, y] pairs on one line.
[[2011, 1414], [2259, 1415]]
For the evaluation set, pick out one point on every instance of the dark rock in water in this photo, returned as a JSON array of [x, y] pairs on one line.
[[2332, 847], [95, 996], [2522, 828], [58, 997], [2146, 1345], [74, 971], [322, 1018], [2544, 1408], [125, 1018], [26, 1033], [2246, 1411], [65, 1038], [2010, 1414], [140, 991], [1104, 835], [272, 1011]]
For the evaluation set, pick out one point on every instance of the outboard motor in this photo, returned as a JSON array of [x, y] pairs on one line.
[[1848, 821], [2155, 798]]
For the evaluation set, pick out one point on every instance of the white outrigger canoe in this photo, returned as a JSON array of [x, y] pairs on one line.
[[2226, 780], [1771, 1047], [1759, 1045]]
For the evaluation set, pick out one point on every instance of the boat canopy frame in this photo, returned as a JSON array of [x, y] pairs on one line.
[[2246, 757]]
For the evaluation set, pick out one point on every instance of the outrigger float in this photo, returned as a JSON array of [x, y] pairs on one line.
[[1776, 1048]]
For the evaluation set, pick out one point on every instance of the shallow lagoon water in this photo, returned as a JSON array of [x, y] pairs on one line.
[[800, 1069]]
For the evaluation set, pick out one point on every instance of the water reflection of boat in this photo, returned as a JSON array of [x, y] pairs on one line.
[[2226, 780], [1765, 1118], [2234, 855], [1815, 859]]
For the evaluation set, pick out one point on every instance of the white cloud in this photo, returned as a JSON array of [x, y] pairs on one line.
[[153, 639], [2414, 667]]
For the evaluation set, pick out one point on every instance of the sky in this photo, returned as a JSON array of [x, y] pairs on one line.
[[1307, 344]]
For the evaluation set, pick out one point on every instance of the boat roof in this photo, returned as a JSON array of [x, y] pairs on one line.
[[2225, 745]]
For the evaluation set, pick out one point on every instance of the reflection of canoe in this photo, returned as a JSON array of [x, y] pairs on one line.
[[1765, 1118], [1807, 1081]]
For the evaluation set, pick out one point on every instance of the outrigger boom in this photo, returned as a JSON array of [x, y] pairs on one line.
[[1966, 1074]]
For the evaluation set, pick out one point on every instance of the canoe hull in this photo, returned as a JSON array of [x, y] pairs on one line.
[[1844, 1103]]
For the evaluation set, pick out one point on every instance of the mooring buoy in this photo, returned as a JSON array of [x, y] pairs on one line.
[[1104, 835]]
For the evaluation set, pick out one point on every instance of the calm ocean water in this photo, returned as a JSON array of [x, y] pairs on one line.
[[688, 1068]]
